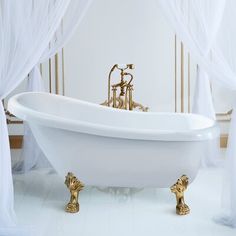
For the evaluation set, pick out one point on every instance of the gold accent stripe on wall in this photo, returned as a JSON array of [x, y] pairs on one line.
[[182, 77], [50, 74], [175, 73], [56, 74], [189, 83], [63, 72]]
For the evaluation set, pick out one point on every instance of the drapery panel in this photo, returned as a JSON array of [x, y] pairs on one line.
[[214, 64], [226, 49], [26, 28], [207, 28], [70, 22], [197, 23], [32, 156]]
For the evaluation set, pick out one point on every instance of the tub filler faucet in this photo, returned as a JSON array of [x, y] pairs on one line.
[[124, 89]]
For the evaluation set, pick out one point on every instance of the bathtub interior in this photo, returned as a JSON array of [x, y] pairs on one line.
[[73, 109]]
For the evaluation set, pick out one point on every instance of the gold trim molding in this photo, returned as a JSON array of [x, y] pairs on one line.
[[175, 73], [223, 140], [182, 77], [16, 141], [56, 74]]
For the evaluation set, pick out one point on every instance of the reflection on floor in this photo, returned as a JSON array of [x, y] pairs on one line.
[[40, 197]]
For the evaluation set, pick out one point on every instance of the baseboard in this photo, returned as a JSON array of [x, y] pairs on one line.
[[16, 141], [223, 140]]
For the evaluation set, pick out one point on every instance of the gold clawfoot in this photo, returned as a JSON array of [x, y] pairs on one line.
[[178, 188], [75, 186]]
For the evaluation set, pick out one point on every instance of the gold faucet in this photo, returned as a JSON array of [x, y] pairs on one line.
[[125, 98]]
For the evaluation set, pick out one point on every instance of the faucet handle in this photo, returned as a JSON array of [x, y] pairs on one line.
[[131, 66]]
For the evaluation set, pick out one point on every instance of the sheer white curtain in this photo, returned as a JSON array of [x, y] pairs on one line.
[[32, 156], [210, 27], [26, 27], [70, 22], [197, 23], [226, 49]]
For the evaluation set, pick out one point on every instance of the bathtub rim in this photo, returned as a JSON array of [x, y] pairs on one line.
[[32, 116]]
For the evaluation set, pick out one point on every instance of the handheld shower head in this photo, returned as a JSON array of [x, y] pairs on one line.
[[125, 66], [121, 66]]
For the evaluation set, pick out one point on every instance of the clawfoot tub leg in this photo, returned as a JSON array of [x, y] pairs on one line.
[[75, 186], [178, 189]]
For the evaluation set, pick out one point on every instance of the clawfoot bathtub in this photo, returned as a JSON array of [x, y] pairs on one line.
[[103, 146], [109, 147]]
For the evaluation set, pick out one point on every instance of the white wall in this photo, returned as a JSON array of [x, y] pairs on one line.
[[118, 31]]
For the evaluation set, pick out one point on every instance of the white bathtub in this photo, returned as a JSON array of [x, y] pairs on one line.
[[109, 147]]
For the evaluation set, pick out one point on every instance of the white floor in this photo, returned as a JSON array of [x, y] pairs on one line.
[[40, 197]]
